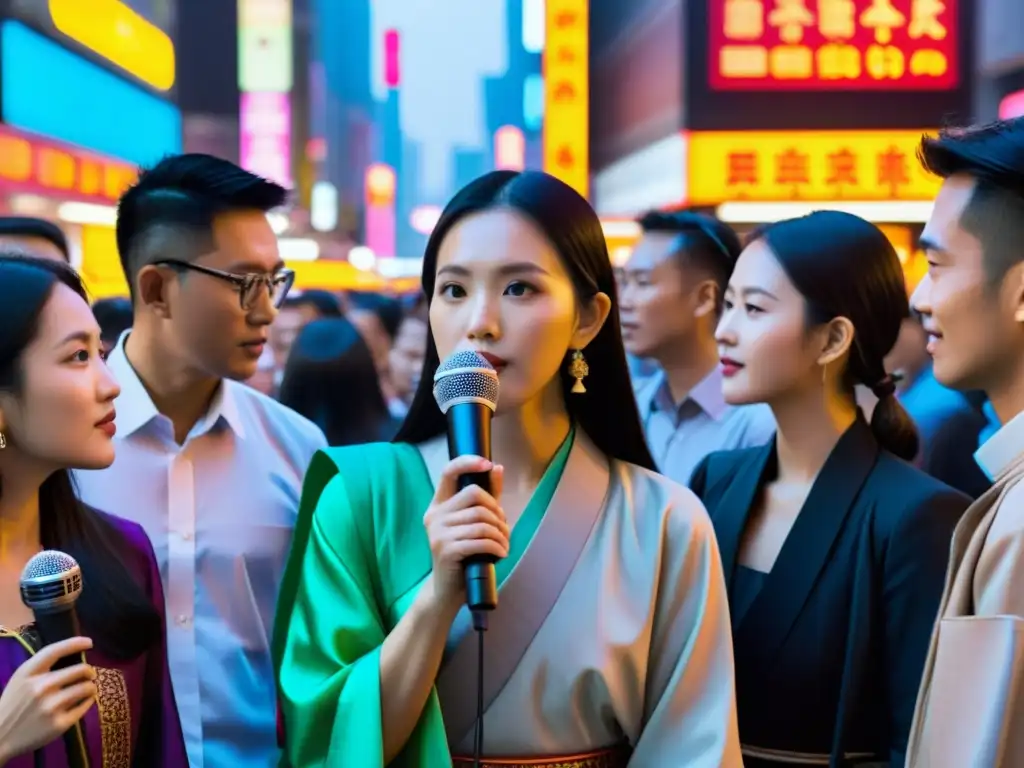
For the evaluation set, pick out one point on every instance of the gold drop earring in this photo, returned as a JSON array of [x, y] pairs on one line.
[[579, 370]]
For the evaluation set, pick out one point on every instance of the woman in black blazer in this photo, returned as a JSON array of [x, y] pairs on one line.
[[834, 547]]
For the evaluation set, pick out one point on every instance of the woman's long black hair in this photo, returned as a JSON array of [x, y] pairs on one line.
[[113, 608], [330, 379], [607, 412]]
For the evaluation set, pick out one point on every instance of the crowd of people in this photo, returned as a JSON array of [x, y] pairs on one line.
[[752, 501]]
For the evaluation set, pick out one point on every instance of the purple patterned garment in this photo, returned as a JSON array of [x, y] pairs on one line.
[[135, 721]]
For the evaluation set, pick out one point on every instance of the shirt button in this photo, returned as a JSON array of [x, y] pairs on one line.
[[187, 536], [183, 620]]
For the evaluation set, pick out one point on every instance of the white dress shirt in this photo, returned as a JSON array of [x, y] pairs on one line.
[[219, 509]]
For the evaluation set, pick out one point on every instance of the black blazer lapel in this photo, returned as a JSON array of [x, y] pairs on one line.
[[736, 502], [809, 545]]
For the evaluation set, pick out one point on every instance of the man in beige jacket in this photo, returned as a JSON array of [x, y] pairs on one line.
[[970, 709]]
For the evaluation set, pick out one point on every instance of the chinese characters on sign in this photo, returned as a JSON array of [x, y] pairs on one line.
[[776, 166], [566, 93], [833, 44], [34, 165]]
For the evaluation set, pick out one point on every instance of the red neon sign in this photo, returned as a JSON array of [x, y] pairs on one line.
[[33, 165], [855, 45]]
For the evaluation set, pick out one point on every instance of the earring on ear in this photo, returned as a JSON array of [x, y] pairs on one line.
[[579, 370], [824, 372], [3, 441]]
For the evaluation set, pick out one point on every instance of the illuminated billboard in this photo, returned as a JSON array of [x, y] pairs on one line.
[[776, 166], [34, 165], [567, 93], [265, 121], [856, 45], [79, 102], [117, 33]]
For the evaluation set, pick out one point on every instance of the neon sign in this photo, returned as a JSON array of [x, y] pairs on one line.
[[833, 45]]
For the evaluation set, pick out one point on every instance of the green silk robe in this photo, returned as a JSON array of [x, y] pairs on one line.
[[642, 597]]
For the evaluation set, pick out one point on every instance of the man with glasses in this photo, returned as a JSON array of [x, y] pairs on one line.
[[210, 467], [670, 296]]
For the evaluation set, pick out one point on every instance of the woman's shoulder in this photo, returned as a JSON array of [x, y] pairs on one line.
[[716, 470], [905, 496], [131, 542], [131, 535], [343, 483], [731, 458], [361, 467], [655, 498], [364, 456], [906, 483]]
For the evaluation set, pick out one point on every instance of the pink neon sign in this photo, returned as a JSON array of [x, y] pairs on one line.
[[266, 136]]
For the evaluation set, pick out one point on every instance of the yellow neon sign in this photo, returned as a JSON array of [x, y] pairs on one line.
[[775, 166], [117, 33], [566, 93]]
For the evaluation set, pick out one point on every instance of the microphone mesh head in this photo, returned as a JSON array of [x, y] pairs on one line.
[[50, 581], [466, 377], [49, 562]]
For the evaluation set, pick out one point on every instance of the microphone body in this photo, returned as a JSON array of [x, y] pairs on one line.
[[54, 627], [469, 434], [466, 391], [50, 585]]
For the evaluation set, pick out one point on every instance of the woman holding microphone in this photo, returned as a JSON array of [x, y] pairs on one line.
[[610, 645], [57, 413]]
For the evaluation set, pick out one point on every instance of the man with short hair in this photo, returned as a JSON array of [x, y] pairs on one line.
[[948, 423], [969, 710], [36, 237], [670, 301], [211, 468]]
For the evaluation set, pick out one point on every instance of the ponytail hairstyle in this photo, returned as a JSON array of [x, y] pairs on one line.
[[844, 266]]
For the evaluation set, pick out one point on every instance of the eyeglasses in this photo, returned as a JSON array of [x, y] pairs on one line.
[[248, 286]]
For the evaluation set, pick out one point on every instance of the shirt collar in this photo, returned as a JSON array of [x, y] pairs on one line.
[[1002, 449], [707, 394], [135, 408]]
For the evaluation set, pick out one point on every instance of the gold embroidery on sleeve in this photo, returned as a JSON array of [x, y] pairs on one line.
[[115, 718]]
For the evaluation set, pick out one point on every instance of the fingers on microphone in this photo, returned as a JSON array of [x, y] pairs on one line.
[[475, 531], [79, 673], [497, 480], [460, 465], [74, 695], [482, 546], [480, 516], [49, 655], [475, 496], [72, 716]]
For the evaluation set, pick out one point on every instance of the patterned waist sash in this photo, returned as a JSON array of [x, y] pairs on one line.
[[616, 757]]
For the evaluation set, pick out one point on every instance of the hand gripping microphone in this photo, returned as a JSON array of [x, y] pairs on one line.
[[466, 391], [50, 585]]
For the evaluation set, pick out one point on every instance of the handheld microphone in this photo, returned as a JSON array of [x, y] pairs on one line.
[[466, 391], [50, 585]]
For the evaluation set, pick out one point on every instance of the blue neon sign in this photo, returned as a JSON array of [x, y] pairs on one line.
[[51, 91]]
